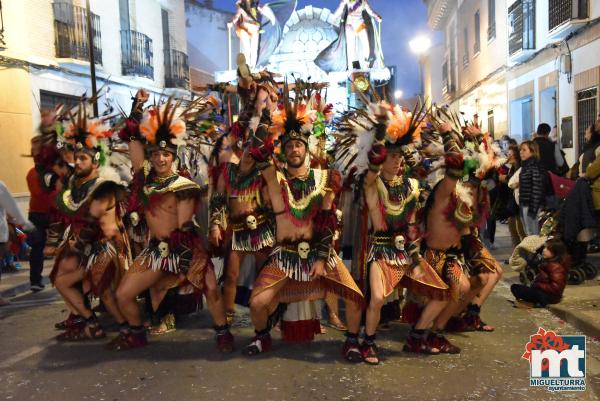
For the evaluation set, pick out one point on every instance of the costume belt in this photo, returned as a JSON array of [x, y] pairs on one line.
[[296, 259], [389, 247]]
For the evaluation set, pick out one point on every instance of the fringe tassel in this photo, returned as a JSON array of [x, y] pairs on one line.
[[253, 240], [170, 264]]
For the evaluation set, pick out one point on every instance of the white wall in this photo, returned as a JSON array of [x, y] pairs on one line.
[[207, 38]]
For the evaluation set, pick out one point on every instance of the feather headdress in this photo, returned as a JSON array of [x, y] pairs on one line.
[[302, 117], [164, 126], [356, 132], [85, 134]]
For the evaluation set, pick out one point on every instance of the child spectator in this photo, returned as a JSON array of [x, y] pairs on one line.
[[551, 278]]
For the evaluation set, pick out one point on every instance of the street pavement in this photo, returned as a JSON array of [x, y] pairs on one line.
[[185, 366]]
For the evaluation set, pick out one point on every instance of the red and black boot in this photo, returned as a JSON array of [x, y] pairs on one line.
[[224, 338], [418, 342], [134, 337], [351, 350], [261, 342]]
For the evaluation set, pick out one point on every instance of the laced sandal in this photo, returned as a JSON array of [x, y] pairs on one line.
[[258, 345], [440, 342], [370, 353], [69, 321], [72, 334], [475, 323], [225, 343], [128, 340], [336, 323], [420, 344], [352, 352]]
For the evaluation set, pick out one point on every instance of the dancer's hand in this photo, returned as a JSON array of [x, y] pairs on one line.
[[318, 269], [49, 251], [142, 95]]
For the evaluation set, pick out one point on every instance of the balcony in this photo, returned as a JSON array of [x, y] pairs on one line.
[[521, 38], [71, 34], [565, 16], [177, 71], [136, 54]]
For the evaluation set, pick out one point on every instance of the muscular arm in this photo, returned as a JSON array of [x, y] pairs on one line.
[[137, 155], [273, 188]]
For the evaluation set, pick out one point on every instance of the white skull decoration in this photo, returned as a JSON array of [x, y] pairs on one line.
[[87, 250], [339, 214], [163, 248], [399, 242], [134, 218], [251, 222], [303, 250]]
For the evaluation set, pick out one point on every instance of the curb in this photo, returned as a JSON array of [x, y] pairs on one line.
[[19, 289], [582, 324]]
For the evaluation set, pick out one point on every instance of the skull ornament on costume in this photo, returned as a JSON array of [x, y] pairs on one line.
[[303, 250], [251, 222], [163, 248], [399, 242], [339, 215], [134, 218]]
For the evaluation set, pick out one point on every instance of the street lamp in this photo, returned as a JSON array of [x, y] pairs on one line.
[[398, 94], [420, 44]]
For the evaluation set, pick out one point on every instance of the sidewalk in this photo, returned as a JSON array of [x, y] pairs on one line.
[[13, 284], [580, 305]]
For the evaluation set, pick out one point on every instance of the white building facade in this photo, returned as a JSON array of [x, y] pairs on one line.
[[45, 60], [554, 74], [472, 65]]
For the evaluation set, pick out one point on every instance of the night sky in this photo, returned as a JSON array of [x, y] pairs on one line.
[[402, 20]]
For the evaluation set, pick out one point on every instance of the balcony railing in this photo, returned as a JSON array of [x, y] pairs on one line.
[[136, 54], [177, 71], [71, 34], [561, 11]]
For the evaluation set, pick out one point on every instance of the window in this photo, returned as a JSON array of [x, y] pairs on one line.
[[491, 122], [561, 11], [477, 46], [586, 112], [466, 47], [521, 19], [49, 100], [491, 19]]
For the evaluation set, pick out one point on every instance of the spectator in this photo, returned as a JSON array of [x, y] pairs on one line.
[[531, 186], [592, 173], [515, 225], [551, 278], [44, 183], [592, 142], [551, 159], [9, 209]]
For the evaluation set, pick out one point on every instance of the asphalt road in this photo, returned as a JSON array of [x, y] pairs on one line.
[[185, 366]]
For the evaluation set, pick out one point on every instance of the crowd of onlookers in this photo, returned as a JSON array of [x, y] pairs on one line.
[[536, 184]]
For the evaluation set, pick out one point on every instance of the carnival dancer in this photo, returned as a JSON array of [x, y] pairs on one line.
[[303, 265], [94, 250], [448, 216], [166, 200], [484, 270], [240, 201], [393, 258]]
